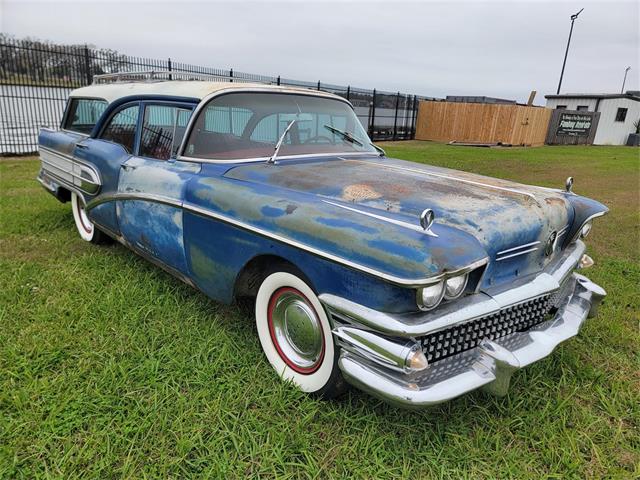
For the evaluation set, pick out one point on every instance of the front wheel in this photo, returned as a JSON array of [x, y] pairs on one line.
[[295, 335], [85, 227]]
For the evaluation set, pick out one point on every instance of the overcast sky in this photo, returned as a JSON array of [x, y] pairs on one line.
[[503, 49]]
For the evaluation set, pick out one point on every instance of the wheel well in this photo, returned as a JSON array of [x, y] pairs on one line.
[[254, 272], [63, 195]]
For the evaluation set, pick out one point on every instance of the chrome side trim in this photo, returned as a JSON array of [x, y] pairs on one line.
[[464, 309], [113, 197], [488, 366], [70, 171], [455, 179], [401, 281], [416, 228], [517, 254], [518, 247]]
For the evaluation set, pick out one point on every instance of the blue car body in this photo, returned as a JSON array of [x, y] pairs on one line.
[[349, 223]]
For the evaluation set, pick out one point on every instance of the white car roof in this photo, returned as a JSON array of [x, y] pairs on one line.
[[189, 88]]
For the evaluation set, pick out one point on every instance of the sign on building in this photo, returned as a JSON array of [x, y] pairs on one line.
[[572, 127], [574, 124]]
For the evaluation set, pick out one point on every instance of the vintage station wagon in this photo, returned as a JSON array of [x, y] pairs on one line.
[[414, 283]]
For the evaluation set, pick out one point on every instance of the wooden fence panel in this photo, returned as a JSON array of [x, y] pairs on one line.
[[482, 123]]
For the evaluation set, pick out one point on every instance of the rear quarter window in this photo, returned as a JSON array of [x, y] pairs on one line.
[[83, 114]]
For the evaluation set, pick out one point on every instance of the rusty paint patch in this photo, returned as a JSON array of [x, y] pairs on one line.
[[358, 192]]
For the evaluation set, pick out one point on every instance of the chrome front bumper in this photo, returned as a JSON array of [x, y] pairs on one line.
[[368, 362]]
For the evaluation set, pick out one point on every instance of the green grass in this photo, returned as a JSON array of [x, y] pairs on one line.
[[110, 368]]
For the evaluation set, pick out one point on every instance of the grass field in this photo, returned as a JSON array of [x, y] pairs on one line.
[[110, 368]]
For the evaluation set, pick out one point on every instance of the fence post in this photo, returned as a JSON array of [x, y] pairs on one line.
[[348, 92], [231, 75], [395, 117], [318, 84], [373, 115], [87, 65], [169, 68], [278, 79], [413, 117]]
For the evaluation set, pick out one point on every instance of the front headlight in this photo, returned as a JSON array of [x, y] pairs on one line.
[[586, 229], [429, 297], [454, 286]]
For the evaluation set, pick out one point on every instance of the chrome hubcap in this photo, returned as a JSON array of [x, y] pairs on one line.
[[296, 330]]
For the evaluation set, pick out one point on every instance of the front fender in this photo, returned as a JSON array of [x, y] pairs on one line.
[[401, 255], [584, 210]]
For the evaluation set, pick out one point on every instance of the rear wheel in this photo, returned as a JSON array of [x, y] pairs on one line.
[[86, 228], [295, 334]]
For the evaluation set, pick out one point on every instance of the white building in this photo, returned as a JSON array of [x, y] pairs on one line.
[[618, 111]]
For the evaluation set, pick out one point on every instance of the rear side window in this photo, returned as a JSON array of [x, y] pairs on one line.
[[162, 130], [83, 113], [122, 128]]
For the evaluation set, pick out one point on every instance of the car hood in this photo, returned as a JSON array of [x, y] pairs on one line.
[[506, 218]]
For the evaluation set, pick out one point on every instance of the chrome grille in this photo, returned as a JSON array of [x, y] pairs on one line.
[[459, 338]]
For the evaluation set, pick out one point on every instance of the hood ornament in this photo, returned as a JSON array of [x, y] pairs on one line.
[[426, 220], [568, 184]]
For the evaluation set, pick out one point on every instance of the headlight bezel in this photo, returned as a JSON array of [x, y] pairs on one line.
[[438, 299], [586, 228], [460, 290]]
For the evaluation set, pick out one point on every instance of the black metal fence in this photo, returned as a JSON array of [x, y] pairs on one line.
[[36, 78]]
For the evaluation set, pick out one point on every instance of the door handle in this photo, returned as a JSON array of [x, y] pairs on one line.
[[81, 145], [127, 168]]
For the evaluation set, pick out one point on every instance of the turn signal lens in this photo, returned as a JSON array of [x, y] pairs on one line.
[[454, 286], [586, 261], [429, 297], [416, 360], [586, 229]]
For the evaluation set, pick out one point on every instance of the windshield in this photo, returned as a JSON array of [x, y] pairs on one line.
[[248, 125]]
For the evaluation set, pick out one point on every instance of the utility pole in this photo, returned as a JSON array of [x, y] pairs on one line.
[[626, 70], [573, 19]]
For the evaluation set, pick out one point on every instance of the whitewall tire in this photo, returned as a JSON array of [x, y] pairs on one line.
[[295, 334], [85, 227]]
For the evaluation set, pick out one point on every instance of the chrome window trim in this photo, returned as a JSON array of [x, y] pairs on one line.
[[400, 281], [225, 91], [264, 159]]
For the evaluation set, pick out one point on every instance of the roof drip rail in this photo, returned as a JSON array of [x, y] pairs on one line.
[[160, 76]]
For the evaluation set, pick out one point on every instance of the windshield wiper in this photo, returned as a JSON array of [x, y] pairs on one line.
[[346, 135], [379, 149], [272, 158]]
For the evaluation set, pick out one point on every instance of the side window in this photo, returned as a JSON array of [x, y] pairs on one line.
[[162, 130], [122, 128], [583, 108], [83, 113]]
